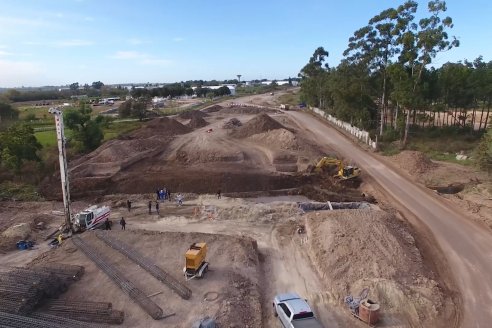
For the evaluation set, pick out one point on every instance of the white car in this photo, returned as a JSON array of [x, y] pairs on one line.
[[294, 312]]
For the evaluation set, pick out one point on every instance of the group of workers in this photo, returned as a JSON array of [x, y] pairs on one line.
[[163, 194]]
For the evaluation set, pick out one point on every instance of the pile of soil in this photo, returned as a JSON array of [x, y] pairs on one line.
[[119, 150], [282, 138], [211, 109], [355, 249], [197, 122], [414, 162], [258, 124], [232, 123], [162, 126], [192, 113]]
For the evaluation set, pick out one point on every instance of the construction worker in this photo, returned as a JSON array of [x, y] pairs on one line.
[[107, 224], [60, 239], [157, 207], [129, 205], [179, 198], [123, 223], [218, 194], [150, 206]]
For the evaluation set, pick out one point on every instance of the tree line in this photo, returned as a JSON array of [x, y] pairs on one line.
[[385, 82]]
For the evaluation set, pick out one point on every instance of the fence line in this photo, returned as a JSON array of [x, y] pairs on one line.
[[353, 130]]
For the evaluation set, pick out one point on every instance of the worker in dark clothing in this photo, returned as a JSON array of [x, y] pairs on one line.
[[169, 194], [157, 207], [129, 205], [107, 224], [123, 223], [150, 206], [218, 194]]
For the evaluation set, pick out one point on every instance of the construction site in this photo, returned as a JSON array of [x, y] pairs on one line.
[[258, 208]]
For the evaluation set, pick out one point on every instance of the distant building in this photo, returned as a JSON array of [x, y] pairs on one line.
[[283, 82]]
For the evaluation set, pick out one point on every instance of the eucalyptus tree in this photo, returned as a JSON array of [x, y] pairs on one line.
[[314, 79], [377, 44], [422, 45], [481, 84], [455, 82], [351, 90]]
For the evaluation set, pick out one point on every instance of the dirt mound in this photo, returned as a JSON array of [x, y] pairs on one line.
[[162, 126], [258, 124], [282, 138], [414, 162], [246, 110], [197, 122], [213, 108], [20, 231], [232, 123], [363, 248], [192, 113]]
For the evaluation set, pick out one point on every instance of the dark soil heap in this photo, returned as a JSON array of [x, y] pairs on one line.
[[211, 109], [192, 113], [258, 124], [232, 123], [163, 126], [197, 122]]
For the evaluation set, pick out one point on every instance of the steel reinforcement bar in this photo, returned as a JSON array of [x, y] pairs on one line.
[[145, 263], [40, 321], [128, 287]]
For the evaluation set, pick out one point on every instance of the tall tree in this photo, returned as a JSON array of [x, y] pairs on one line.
[[17, 145], [376, 44], [7, 112], [87, 131], [312, 76], [422, 47], [97, 85], [74, 86]]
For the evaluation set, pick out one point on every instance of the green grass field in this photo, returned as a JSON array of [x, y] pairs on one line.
[[116, 129], [46, 138], [290, 98]]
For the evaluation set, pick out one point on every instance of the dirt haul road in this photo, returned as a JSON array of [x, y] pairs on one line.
[[467, 246]]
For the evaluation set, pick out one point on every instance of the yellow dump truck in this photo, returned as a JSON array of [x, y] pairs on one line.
[[195, 264]]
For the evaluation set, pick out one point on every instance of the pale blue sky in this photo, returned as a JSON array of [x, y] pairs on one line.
[[54, 42]]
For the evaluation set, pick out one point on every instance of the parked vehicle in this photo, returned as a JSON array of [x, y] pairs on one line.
[[294, 312]]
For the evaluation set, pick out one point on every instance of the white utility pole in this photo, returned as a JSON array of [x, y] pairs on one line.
[[60, 137]]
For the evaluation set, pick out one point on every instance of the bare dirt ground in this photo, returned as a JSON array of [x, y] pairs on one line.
[[466, 187], [254, 248]]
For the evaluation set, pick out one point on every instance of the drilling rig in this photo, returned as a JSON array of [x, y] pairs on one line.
[[60, 137], [92, 217]]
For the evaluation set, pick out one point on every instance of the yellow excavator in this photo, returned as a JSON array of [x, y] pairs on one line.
[[343, 172]]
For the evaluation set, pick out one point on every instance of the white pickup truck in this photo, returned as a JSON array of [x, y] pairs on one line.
[[294, 312]]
